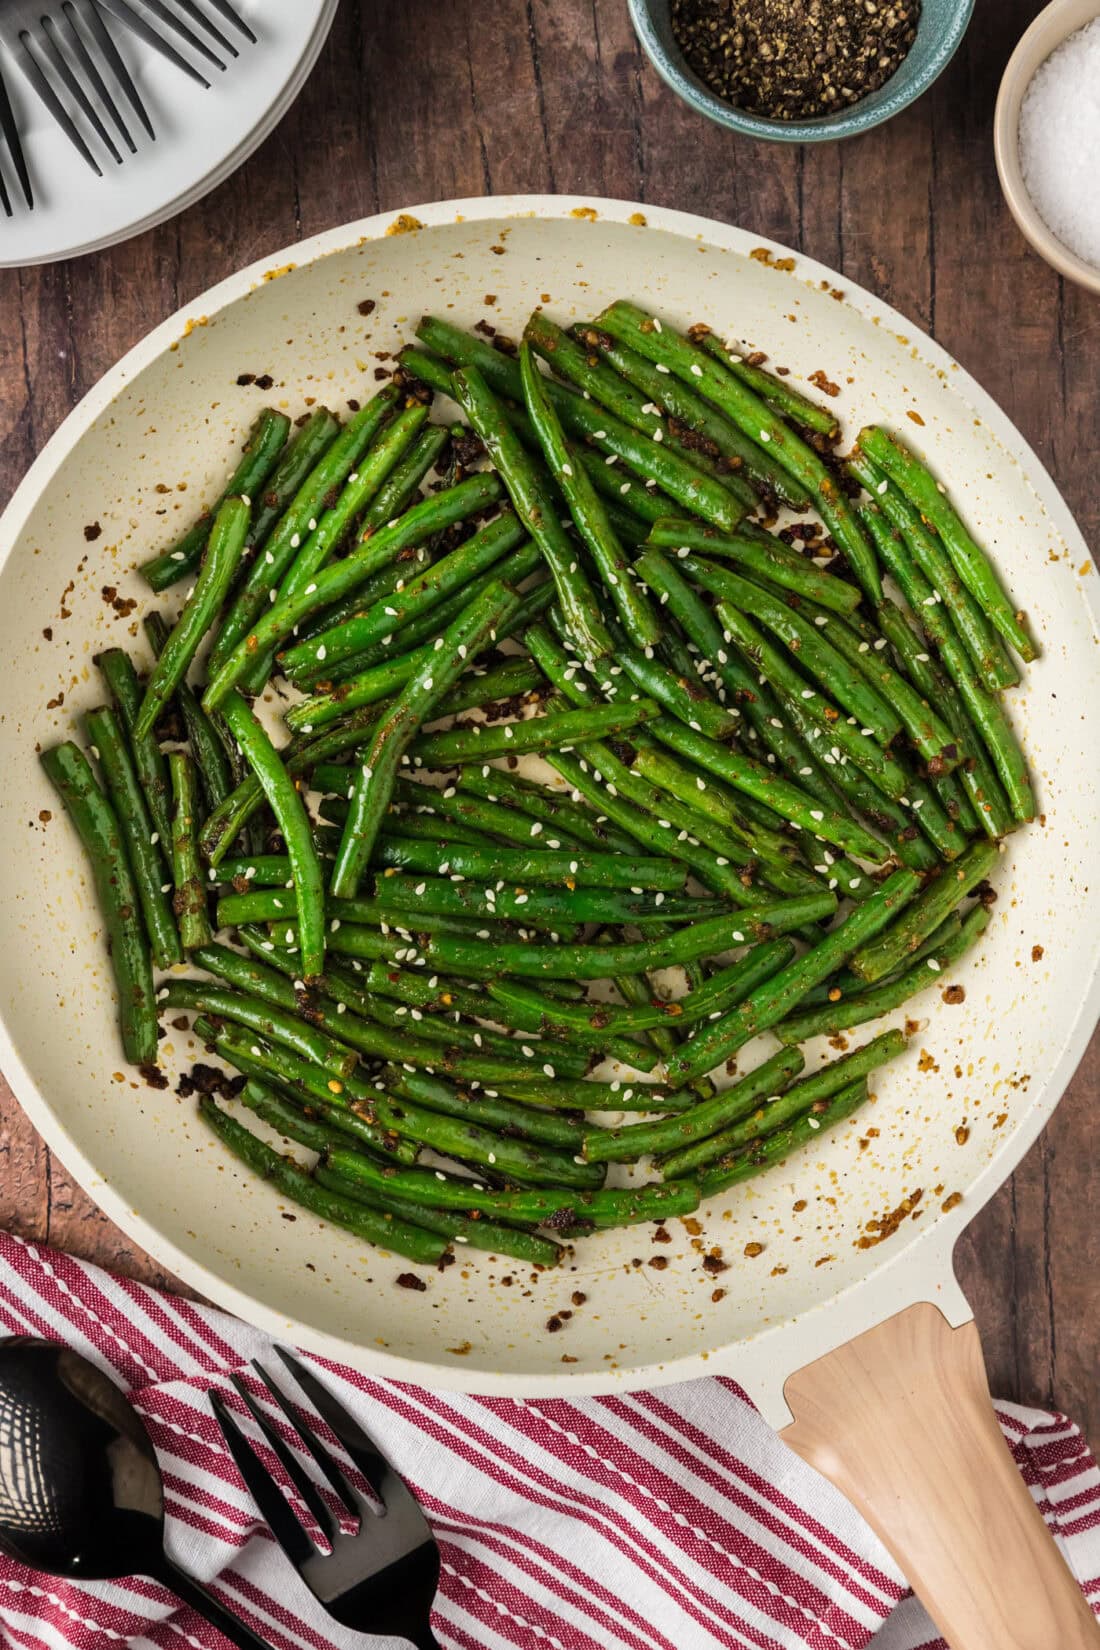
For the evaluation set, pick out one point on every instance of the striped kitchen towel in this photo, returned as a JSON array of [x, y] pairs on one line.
[[668, 1520]]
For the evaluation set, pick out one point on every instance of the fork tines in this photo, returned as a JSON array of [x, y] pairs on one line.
[[72, 62]]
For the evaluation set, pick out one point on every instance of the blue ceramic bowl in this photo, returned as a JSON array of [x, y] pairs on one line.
[[942, 26]]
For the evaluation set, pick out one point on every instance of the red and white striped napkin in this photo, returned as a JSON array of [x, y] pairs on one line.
[[671, 1520]]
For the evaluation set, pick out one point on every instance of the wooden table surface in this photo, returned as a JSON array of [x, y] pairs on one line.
[[422, 101]]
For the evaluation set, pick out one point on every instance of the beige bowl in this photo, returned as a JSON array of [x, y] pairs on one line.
[[1054, 24]]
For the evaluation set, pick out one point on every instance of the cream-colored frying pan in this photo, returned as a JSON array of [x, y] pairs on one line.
[[868, 1335]]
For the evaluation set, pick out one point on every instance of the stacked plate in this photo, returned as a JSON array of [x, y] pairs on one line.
[[202, 136]]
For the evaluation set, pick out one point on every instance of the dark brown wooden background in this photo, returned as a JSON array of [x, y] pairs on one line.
[[425, 99]]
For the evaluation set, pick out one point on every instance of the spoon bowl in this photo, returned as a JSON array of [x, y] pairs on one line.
[[80, 1489]]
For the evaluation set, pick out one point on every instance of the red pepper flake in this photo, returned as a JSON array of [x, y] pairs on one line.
[[714, 1264], [824, 384], [799, 1206], [578, 1297], [962, 1135], [954, 994], [916, 417], [409, 1280], [778, 1271], [718, 1295], [752, 1250], [658, 1262], [1036, 953], [92, 531], [951, 1202], [265, 381], [366, 307], [553, 1325]]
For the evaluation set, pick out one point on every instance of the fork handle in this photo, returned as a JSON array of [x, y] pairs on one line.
[[193, 1593]]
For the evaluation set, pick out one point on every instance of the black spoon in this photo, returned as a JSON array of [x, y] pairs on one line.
[[80, 1489]]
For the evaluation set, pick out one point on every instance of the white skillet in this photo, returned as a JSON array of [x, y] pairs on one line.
[[899, 1416]]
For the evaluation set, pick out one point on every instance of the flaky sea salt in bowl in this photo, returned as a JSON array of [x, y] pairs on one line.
[[1047, 137]]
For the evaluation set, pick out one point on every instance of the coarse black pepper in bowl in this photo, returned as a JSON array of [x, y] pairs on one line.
[[800, 71]]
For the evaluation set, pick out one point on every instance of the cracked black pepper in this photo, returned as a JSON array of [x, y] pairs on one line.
[[794, 59]]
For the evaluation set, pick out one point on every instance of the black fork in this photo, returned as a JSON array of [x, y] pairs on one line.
[[383, 1577]]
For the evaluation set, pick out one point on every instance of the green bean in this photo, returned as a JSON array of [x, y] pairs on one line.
[[774, 1000], [207, 746], [635, 1140], [540, 1018], [589, 516], [683, 698], [305, 1128], [425, 1248], [832, 1018], [97, 826], [266, 440], [816, 654], [713, 380], [855, 744], [761, 710], [782, 397], [787, 800], [599, 383], [535, 1206], [146, 856], [259, 1014], [482, 815], [680, 404], [584, 868], [623, 1094], [275, 556], [683, 481], [565, 816], [512, 570], [889, 951], [909, 652], [489, 1235], [747, 1121], [293, 821], [864, 798], [984, 709], [720, 992], [482, 960], [487, 1108], [763, 557], [479, 742], [536, 508], [970, 561], [540, 907], [255, 871], [223, 553], [448, 1030], [444, 1125], [310, 1085], [379, 549], [589, 1022], [423, 826], [316, 550], [310, 444], [776, 1148], [416, 559], [379, 761], [387, 618], [402, 486], [117, 670], [981, 641], [189, 901]]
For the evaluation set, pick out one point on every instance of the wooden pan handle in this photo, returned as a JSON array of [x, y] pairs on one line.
[[901, 1421]]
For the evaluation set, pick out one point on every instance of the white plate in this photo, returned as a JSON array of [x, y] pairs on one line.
[[201, 136], [170, 412]]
